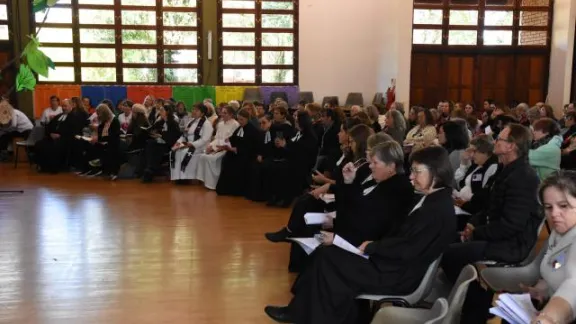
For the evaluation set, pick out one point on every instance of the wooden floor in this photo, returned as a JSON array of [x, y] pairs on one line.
[[75, 250]]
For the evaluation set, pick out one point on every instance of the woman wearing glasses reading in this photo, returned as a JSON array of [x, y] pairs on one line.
[[326, 291]]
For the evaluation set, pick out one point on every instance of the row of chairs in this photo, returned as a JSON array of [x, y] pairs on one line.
[[498, 277], [353, 98]]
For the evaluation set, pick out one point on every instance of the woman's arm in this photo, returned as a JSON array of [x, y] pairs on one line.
[[205, 135], [558, 310]]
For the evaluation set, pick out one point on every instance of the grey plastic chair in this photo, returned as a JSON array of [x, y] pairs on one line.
[[307, 96], [400, 315], [415, 297], [35, 136], [278, 94], [354, 98], [252, 94], [508, 279]]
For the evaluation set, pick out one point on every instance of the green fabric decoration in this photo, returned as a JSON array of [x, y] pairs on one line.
[[191, 95], [36, 59], [25, 79]]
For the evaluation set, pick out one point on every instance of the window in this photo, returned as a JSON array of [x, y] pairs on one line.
[[122, 41], [258, 41], [500, 23], [4, 34]]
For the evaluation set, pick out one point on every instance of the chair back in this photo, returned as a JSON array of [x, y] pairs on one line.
[[427, 282], [327, 99], [354, 98], [37, 134], [307, 96], [438, 312], [378, 99], [252, 94], [458, 294], [278, 94]]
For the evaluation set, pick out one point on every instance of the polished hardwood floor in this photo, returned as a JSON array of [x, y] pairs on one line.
[[76, 250]]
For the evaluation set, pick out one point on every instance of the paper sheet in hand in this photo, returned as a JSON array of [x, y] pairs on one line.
[[460, 211], [515, 308], [345, 245], [86, 138], [318, 218], [328, 198], [308, 244]]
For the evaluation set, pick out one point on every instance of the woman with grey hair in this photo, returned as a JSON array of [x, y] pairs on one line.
[[374, 116], [395, 125]]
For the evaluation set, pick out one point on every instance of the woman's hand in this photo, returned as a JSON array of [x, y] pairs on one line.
[[349, 173], [538, 293], [318, 177], [54, 136], [280, 142], [466, 156], [362, 246], [458, 202], [209, 149], [327, 238], [259, 158], [318, 192], [188, 144], [466, 234], [93, 139], [328, 224]]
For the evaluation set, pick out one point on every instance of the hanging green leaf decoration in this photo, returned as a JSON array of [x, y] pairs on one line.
[[25, 80], [42, 5], [36, 59], [39, 5]]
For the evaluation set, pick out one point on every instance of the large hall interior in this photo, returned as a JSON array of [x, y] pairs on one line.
[[287, 161]]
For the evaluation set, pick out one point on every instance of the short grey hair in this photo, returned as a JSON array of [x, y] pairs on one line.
[[377, 138], [533, 114], [523, 106], [234, 104], [399, 121], [389, 152], [400, 107], [484, 144], [372, 112]]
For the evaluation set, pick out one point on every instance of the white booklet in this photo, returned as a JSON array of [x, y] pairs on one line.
[[460, 211], [318, 218], [309, 244], [515, 308]]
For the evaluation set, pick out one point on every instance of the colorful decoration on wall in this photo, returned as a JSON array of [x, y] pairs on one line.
[[191, 95], [43, 92]]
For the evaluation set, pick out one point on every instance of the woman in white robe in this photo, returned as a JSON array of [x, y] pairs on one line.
[[210, 162], [187, 150]]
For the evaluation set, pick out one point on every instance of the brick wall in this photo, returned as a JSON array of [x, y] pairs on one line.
[[533, 18]]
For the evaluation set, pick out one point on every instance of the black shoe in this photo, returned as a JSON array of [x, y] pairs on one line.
[[277, 237], [147, 177], [279, 314], [271, 202]]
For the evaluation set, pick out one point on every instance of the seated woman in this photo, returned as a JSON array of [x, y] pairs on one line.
[[387, 188], [161, 137], [13, 123], [104, 146], [137, 128], [210, 162], [311, 202], [328, 140], [126, 116], [257, 190], [326, 291], [423, 134], [187, 150], [395, 125], [53, 150], [287, 178], [239, 156], [545, 155], [478, 165], [454, 138]]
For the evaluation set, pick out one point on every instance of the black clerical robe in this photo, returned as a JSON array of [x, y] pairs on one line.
[[52, 151]]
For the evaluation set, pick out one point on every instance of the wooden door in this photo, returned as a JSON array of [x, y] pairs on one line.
[[529, 84], [428, 81], [460, 75], [495, 77]]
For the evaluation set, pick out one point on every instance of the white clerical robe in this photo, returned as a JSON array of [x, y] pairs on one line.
[[209, 165], [200, 143]]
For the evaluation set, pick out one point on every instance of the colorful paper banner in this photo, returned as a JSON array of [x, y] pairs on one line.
[[43, 92], [191, 95]]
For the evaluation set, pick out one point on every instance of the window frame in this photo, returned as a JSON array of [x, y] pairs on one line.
[[258, 66], [118, 46], [516, 7]]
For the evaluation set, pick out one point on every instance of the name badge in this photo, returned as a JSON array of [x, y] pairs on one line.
[[557, 261], [477, 177]]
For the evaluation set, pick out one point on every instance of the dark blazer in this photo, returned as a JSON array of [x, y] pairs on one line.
[[113, 138], [511, 217], [66, 129], [329, 140], [172, 133], [284, 130], [377, 214], [247, 145], [405, 256], [302, 153]]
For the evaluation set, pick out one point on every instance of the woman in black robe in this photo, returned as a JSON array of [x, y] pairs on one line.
[[325, 292], [53, 150], [256, 190], [239, 156], [290, 176]]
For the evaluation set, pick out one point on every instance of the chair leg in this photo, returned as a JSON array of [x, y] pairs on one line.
[[16, 149]]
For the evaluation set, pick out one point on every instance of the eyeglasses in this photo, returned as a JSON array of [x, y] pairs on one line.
[[418, 170]]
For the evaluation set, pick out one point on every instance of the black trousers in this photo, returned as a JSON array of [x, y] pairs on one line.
[[7, 138], [260, 172], [152, 156]]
